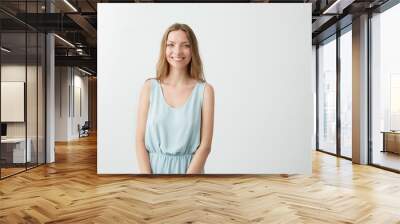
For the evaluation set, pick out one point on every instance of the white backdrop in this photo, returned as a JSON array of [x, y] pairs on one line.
[[257, 57]]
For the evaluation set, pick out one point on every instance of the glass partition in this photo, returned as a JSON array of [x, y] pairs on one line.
[[22, 67], [13, 95]]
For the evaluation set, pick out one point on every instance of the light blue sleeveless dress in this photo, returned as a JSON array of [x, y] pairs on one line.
[[173, 134]]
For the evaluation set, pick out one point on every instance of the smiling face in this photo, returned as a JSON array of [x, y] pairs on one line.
[[178, 50]]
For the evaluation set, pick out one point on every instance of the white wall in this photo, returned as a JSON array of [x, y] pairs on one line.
[[68, 80], [257, 57], [61, 103]]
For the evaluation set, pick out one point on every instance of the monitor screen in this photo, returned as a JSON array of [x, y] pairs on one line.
[[3, 129]]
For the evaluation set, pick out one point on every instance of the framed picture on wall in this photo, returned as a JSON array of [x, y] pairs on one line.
[[12, 101]]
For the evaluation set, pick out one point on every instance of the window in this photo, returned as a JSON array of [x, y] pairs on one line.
[[327, 96], [346, 94], [385, 88]]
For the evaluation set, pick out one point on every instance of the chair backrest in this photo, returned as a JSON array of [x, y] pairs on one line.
[[86, 125]]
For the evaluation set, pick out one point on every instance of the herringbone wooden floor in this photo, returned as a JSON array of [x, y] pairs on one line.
[[70, 191]]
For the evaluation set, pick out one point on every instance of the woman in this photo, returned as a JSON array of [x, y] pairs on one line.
[[176, 109]]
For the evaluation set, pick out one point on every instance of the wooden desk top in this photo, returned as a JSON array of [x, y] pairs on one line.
[[391, 132], [13, 140]]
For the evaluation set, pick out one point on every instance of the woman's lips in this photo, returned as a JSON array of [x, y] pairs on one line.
[[178, 58]]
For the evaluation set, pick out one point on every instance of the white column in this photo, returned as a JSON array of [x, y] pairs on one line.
[[50, 92], [50, 100]]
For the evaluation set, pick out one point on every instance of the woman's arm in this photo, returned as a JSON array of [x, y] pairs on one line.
[[207, 123], [143, 108]]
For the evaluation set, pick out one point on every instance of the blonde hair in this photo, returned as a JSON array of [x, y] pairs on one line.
[[195, 67]]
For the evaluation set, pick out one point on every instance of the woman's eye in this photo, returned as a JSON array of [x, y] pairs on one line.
[[187, 46], [170, 45]]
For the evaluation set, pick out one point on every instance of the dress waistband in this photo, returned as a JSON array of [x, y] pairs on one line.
[[170, 155]]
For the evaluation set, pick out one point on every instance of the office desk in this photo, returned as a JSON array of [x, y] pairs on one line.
[[13, 150], [391, 141]]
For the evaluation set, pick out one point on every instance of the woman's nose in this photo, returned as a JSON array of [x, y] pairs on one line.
[[178, 50]]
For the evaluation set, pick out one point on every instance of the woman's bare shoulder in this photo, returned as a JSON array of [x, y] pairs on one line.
[[147, 82], [208, 87], [146, 87]]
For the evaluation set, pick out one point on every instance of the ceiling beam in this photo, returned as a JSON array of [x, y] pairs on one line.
[[84, 24], [85, 61]]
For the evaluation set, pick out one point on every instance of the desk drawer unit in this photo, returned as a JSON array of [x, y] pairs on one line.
[[13, 151], [391, 142]]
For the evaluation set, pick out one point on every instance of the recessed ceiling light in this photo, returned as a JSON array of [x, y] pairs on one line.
[[70, 5], [64, 40], [337, 7], [5, 50], [84, 71]]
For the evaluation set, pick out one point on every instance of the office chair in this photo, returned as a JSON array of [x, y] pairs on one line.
[[84, 130]]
